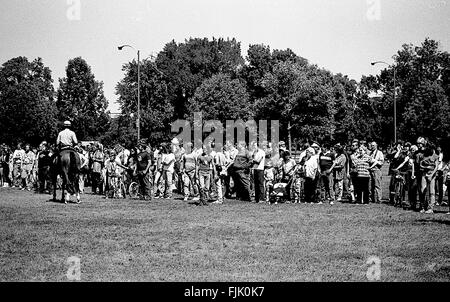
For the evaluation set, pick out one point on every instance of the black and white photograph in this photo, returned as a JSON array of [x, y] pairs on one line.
[[226, 147]]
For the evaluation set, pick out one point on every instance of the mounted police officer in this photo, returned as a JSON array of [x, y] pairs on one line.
[[66, 138], [67, 163], [66, 141]]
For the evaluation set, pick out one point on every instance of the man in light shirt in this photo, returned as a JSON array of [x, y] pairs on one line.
[[17, 159], [311, 166], [375, 173], [27, 167], [258, 172], [220, 162], [188, 166], [66, 138], [122, 158], [84, 161], [168, 163]]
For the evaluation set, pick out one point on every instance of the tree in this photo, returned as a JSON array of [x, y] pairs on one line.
[[186, 65], [345, 94], [27, 109], [422, 83], [427, 114], [122, 131], [156, 111], [301, 95], [80, 98], [221, 98], [261, 60]]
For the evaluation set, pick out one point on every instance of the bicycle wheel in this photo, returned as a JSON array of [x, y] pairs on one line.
[[133, 190], [123, 190], [398, 194]]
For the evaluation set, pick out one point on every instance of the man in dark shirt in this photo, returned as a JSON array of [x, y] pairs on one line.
[[326, 163], [43, 165], [143, 169], [241, 172]]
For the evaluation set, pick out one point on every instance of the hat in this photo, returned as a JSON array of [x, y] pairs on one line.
[[315, 145], [421, 140], [67, 123], [175, 141]]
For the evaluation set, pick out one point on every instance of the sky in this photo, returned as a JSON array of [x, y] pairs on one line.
[[343, 36]]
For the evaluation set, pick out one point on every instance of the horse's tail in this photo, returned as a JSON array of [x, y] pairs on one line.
[[73, 163], [72, 173]]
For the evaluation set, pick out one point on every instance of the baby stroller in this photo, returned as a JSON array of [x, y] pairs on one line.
[[279, 193]]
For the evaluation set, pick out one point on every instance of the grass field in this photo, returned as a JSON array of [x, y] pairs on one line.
[[169, 240]]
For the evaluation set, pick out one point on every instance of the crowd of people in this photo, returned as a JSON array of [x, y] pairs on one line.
[[211, 174]]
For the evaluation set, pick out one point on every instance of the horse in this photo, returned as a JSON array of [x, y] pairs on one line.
[[67, 165]]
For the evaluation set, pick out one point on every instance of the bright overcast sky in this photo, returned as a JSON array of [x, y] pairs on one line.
[[339, 35]]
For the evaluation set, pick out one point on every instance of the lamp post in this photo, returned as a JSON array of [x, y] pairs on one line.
[[138, 122], [395, 99], [289, 136]]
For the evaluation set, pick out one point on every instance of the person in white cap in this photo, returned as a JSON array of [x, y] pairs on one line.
[[311, 167], [66, 138]]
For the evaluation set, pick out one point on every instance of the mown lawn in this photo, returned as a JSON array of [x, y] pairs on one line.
[[169, 240]]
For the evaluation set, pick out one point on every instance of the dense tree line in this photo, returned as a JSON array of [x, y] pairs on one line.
[[31, 110], [212, 76]]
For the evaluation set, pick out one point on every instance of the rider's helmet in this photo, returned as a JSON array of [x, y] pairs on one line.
[[67, 124]]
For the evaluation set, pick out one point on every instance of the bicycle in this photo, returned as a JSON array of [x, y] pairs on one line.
[[133, 190], [130, 184], [114, 186], [399, 188]]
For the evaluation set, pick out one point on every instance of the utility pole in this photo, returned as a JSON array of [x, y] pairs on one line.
[[289, 136]]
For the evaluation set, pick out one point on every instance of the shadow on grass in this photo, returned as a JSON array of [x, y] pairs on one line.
[[441, 274], [51, 200], [440, 221], [59, 201]]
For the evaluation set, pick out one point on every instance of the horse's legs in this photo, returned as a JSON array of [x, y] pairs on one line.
[[75, 180], [63, 190], [77, 187], [54, 179]]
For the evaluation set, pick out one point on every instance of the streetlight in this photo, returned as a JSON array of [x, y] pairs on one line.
[[138, 122], [395, 101]]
